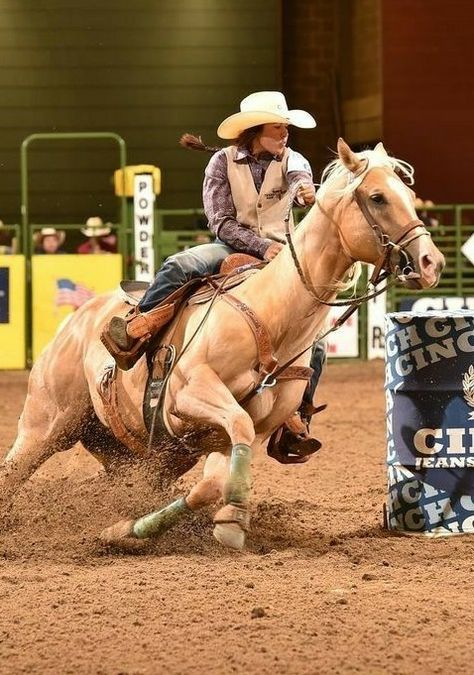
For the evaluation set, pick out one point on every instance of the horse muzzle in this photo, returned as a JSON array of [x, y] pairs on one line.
[[425, 273]]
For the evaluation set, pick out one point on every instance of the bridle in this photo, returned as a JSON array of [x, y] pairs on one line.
[[391, 248], [383, 267]]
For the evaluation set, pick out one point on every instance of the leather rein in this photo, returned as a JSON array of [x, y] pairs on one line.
[[383, 268]]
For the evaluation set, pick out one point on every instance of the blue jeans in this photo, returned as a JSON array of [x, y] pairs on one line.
[[317, 361], [181, 267], [200, 261]]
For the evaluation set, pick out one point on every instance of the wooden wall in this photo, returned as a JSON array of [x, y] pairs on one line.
[[331, 67], [360, 71], [309, 49], [152, 69], [148, 70], [428, 84]]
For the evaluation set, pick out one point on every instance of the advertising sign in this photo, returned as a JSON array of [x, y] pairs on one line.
[[63, 283], [426, 303], [343, 342], [376, 308], [143, 201], [430, 421], [4, 295], [12, 312]]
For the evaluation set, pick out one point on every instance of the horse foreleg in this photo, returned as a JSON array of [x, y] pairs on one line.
[[127, 533], [206, 398]]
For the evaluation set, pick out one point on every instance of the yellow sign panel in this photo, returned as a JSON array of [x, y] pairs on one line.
[[124, 181], [62, 283], [12, 312]]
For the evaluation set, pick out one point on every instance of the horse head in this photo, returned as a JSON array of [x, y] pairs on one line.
[[375, 212]]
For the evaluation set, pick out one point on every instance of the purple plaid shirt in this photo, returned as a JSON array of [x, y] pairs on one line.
[[219, 205]]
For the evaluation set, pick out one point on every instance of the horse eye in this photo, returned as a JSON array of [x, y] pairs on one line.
[[378, 198]]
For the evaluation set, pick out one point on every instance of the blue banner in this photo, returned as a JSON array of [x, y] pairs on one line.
[[430, 421], [4, 295]]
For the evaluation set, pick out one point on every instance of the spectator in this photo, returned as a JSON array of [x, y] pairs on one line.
[[202, 238], [7, 241], [49, 241], [427, 217], [100, 237]]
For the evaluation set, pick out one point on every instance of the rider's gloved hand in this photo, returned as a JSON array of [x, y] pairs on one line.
[[306, 195], [273, 250]]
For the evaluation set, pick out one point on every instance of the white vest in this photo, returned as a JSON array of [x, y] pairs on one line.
[[262, 212]]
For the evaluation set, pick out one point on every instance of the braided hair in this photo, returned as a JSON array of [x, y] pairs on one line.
[[244, 140]]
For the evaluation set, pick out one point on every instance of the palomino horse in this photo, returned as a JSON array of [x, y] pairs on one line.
[[364, 212]]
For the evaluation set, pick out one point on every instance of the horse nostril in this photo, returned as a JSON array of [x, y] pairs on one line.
[[426, 262], [430, 269]]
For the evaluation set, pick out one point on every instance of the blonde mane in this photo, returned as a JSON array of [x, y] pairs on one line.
[[337, 178]]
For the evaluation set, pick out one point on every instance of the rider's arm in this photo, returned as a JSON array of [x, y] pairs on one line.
[[221, 213], [299, 173]]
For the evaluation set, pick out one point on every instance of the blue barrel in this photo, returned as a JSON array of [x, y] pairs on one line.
[[429, 386]]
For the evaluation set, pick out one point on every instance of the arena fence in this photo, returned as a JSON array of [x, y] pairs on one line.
[[178, 229], [450, 226]]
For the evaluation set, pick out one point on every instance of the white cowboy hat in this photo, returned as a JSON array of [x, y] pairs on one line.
[[263, 107], [49, 232], [95, 227]]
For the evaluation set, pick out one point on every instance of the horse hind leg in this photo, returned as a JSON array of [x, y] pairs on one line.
[[48, 424], [37, 440]]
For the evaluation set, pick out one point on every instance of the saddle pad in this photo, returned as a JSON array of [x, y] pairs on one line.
[[205, 294], [132, 292]]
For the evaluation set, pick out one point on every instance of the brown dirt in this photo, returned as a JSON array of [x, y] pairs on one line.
[[321, 588]]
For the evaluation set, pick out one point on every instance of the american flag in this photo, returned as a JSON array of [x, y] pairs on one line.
[[69, 293]]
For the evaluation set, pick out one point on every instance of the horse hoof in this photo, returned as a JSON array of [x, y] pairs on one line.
[[121, 536], [230, 534]]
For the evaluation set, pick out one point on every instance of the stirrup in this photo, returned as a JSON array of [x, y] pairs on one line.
[[138, 328]]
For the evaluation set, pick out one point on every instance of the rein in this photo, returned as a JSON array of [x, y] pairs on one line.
[[177, 357], [375, 279], [382, 270]]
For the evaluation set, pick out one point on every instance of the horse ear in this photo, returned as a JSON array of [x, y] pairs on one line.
[[379, 148], [347, 157]]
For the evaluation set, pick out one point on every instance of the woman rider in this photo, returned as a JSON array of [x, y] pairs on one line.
[[245, 195]]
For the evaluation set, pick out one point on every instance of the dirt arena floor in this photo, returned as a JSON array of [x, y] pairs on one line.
[[321, 588]]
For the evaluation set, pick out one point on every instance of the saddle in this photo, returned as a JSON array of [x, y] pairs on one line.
[[144, 328]]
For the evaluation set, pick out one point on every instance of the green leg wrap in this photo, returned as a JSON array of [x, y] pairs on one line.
[[238, 485], [154, 524]]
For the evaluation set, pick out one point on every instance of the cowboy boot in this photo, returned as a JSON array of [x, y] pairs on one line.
[[293, 443], [127, 337]]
